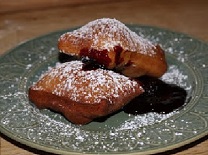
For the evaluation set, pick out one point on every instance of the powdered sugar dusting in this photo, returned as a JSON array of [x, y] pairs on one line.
[[107, 33], [144, 120], [90, 86], [175, 76]]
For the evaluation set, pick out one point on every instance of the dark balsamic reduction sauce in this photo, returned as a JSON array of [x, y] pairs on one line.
[[158, 97]]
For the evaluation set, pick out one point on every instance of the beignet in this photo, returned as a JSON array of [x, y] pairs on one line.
[[83, 95], [115, 46]]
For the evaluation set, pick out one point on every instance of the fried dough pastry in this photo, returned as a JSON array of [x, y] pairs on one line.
[[83, 95], [113, 45]]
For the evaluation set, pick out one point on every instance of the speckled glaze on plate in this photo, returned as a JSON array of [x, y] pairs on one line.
[[121, 133]]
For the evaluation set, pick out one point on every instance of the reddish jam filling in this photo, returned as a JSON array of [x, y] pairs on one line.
[[118, 50], [100, 57]]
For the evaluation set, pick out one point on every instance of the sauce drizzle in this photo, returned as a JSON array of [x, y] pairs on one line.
[[158, 97]]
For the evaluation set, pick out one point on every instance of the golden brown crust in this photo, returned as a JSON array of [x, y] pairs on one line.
[[77, 113], [83, 95], [115, 46], [140, 64]]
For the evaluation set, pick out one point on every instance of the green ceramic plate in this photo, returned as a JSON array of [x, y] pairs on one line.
[[121, 133]]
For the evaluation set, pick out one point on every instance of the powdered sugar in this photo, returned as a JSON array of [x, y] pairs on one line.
[[144, 120], [175, 76], [91, 86], [107, 33]]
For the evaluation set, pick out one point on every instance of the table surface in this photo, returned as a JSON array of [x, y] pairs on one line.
[[28, 19]]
